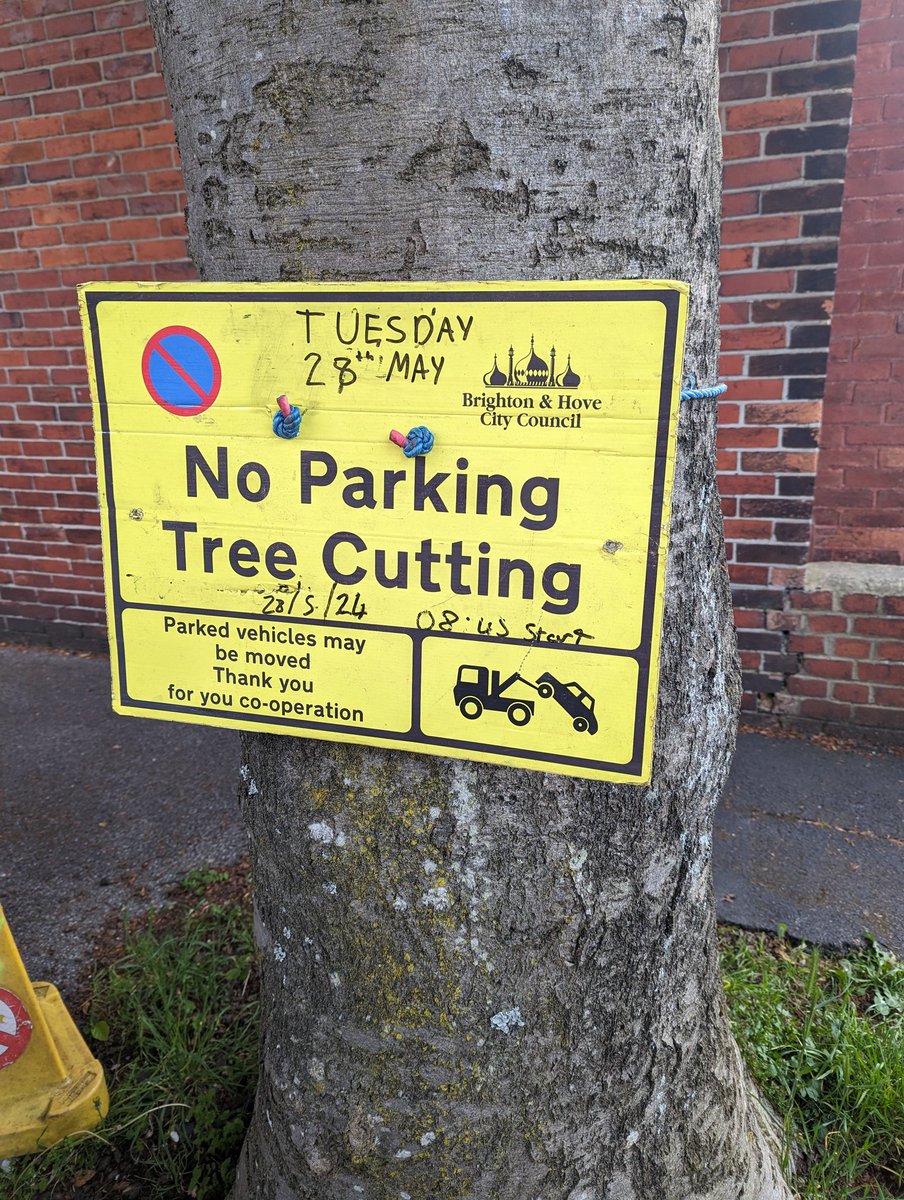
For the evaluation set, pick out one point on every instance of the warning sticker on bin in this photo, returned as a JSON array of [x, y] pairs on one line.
[[497, 598], [15, 1028]]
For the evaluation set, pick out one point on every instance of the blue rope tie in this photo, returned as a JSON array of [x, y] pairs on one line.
[[420, 441], [692, 392], [287, 427]]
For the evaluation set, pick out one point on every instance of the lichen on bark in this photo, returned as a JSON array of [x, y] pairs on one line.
[[478, 982]]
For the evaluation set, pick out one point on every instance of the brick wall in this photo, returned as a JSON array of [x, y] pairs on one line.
[[89, 189], [787, 73], [849, 649], [832, 658], [860, 489]]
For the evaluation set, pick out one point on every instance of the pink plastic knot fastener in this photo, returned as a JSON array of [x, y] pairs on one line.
[[284, 406], [398, 439]]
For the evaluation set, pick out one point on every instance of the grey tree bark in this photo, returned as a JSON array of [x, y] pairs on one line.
[[367, 139]]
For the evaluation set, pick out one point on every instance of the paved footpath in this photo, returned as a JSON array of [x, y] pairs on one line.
[[95, 807]]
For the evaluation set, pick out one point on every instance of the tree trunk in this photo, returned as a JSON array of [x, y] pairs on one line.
[[556, 1031]]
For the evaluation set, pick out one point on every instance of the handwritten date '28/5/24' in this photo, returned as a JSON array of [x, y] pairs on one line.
[[295, 601]]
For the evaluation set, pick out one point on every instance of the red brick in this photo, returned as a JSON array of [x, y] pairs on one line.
[[800, 685], [159, 135], [120, 16], [24, 152], [140, 38], [760, 229], [116, 139], [747, 485], [748, 618], [829, 668], [44, 54], [879, 672], [25, 82], [767, 114], [85, 235], [801, 644], [76, 74], [883, 627], [38, 237], [788, 622], [784, 413], [43, 8], [893, 605], [745, 27], [11, 60], [748, 86], [846, 647], [56, 101], [890, 651], [739, 259], [739, 204], [826, 624], [853, 693], [113, 252], [772, 52], [50, 171], [881, 718], [151, 86], [876, 436], [741, 145], [94, 118], [38, 127], [737, 437], [97, 210], [67, 146], [140, 113], [124, 66], [10, 109], [858, 603], [748, 530], [757, 283], [69, 25], [780, 462], [752, 174]]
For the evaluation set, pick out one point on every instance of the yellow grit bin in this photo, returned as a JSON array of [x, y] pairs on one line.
[[427, 516], [51, 1085]]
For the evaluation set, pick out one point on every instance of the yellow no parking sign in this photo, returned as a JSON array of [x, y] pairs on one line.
[[498, 598]]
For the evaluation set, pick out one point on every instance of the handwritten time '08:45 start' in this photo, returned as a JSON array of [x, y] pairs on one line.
[[295, 601]]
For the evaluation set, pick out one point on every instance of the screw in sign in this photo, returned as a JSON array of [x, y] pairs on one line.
[[181, 370], [15, 1028]]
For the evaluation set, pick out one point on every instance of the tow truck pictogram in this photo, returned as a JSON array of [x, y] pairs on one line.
[[480, 690]]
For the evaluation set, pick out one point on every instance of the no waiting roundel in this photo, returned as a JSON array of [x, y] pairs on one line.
[[181, 370]]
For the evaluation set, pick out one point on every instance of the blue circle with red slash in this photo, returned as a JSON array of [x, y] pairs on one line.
[[181, 370]]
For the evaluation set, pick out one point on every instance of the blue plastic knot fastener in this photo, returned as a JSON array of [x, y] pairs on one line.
[[419, 441], [287, 422]]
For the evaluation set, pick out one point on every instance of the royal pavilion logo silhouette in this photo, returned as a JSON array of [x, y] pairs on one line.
[[531, 371]]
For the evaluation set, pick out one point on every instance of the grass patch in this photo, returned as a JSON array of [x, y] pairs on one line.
[[824, 1038], [174, 1016]]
